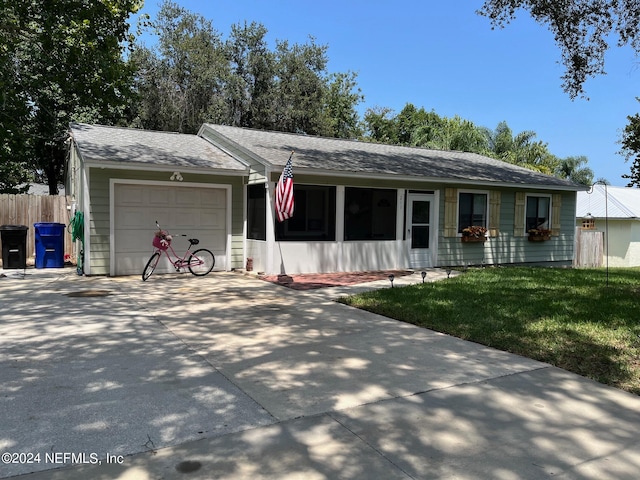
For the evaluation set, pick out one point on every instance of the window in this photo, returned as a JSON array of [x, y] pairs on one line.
[[472, 210], [256, 212], [314, 215], [538, 210], [370, 214]]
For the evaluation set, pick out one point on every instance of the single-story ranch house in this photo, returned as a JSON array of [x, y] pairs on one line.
[[358, 206]]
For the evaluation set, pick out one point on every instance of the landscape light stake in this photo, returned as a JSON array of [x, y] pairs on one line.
[[448, 272], [391, 277], [424, 274]]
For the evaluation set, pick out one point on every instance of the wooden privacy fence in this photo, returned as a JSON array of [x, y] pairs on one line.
[[589, 251], [30, 209]]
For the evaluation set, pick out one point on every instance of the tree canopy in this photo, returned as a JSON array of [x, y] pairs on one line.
[[63, 62], [76, 60], [417, 127], [631, 148], [583, 30], [195, 76]]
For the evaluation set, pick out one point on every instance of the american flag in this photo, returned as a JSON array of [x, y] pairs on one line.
[[284, 193]]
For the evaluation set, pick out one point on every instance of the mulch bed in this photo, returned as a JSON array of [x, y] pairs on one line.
[[310, 281]]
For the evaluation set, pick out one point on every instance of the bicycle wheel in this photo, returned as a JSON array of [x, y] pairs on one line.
[[201, 262], [151, 266]]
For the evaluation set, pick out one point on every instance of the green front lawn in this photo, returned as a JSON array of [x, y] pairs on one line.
[[565, 317]]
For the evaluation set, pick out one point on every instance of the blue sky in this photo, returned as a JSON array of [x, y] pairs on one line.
[[442, 56]]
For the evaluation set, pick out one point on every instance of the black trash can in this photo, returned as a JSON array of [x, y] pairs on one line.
[[14, 246], [49, 245]]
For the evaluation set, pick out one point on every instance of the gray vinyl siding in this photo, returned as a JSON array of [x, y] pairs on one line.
[[508, 249], [99, 216]]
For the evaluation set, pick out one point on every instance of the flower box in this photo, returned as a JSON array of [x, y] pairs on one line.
[[474, 234], [539, 234], [539, 238], [465, 239]]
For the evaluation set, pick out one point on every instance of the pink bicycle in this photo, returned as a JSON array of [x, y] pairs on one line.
[[199, 262]]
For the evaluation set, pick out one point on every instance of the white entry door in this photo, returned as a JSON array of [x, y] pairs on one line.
[[421, 229]]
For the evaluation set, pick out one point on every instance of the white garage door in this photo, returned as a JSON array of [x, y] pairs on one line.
[[198, 212]]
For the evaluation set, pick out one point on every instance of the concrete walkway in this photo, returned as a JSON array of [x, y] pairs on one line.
[[228, 376]]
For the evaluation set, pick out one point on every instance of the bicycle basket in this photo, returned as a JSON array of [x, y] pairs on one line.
[[161, 240]]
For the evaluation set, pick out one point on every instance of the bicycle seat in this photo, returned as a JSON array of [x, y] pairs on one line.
[[194, 241]]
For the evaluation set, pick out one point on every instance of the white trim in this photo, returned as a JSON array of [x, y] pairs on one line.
[[434, 199], [114, 181], [487, 208], [401, 246], [270, 226], [146, 167], [86, 203]]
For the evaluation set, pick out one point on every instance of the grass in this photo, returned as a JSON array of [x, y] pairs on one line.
[[568, 318]]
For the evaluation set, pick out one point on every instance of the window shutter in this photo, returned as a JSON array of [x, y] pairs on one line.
[[556, 209], [518, 221], [495, 200], [450, 212]]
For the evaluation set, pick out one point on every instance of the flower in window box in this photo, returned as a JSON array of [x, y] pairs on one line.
[[474, 233]]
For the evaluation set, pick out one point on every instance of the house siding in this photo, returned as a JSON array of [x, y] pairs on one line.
[[99, 215], [508, 247]]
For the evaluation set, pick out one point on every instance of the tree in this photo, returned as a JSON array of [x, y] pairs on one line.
[[581, 29], [379, 125], [181, 83], [14, 170], [68, 65], [300, 88], [522, 149], [631, 148], [251, 84], [341, 98], [575, 169], [419, 128]]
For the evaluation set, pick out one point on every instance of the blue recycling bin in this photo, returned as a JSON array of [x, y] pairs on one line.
[[49, 245]]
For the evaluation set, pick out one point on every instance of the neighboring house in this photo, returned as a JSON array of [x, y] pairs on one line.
[[358, 206], [616, 209]]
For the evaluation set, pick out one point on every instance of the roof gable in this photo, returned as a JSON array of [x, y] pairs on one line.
[[353, 157]]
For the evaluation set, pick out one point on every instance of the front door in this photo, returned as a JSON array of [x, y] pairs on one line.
[[421, 228]]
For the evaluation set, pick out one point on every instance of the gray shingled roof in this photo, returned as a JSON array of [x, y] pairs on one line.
[[337, 155], [113, 144]]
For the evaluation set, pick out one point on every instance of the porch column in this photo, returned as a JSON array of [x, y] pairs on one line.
[[401, 246], [271, 233]]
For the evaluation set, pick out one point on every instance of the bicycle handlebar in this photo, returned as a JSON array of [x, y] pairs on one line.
[[180, 234]]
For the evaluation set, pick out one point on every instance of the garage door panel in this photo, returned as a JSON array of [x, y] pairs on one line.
[[131, 195], [134, 217], [130, 242], [214, 197], [187, 197], [197, 212], [160, 196], [213, 219]]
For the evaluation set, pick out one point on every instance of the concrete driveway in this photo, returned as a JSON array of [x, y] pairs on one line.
[[231, 377]]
